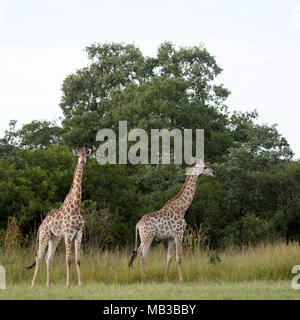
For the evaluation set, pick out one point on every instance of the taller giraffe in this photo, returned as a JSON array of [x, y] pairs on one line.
[[168, 222], [66, 222]]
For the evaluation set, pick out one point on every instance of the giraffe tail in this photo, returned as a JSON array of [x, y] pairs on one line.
[[31, 265], [36, 249], [134, 254]]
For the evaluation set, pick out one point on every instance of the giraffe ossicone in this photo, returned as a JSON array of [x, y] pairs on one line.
[[65, 222], [168, 222]]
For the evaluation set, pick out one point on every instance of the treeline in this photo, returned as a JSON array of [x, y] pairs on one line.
[[254, 198]]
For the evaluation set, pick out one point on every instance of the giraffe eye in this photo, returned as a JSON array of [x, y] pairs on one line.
[[205, 167]]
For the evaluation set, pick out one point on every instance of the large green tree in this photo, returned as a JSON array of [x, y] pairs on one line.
[[173, 89]]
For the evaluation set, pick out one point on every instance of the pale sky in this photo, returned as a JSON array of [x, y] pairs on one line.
[[257, 43]]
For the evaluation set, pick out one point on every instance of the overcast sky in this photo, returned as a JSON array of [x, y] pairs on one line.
[[257, 43]]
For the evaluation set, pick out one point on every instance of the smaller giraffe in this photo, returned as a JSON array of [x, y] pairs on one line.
[[66, 222], [168, 222]]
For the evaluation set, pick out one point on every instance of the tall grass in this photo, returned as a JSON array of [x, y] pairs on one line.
[[262, 262]]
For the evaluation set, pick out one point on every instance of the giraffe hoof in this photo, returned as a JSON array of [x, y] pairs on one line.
[[80, 284], [68, 285]]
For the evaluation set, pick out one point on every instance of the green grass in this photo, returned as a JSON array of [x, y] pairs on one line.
[[262, 272], [163, 290]]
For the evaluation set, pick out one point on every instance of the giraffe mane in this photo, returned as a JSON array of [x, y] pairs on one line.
[[179, 193], [53, 210]]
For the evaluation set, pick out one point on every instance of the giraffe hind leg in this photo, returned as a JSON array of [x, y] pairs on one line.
[[43, 242], [143, 255], [139, 251], [169, 257], [178, 245], [53, 243]]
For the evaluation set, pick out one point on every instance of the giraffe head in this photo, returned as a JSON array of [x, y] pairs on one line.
[[208, 171], [82, 154], [202, 168]]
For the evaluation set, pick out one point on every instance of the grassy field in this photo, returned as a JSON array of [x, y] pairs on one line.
[[263, 272], [162, 290]]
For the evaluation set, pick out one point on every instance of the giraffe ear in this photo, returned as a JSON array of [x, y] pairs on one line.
[[75, 153], [88, 152]]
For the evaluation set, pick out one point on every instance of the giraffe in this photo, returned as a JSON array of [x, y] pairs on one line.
[[66, 222], [168, 222]]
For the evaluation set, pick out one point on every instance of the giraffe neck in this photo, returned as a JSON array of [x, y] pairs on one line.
[[185, 196], [74, 195]]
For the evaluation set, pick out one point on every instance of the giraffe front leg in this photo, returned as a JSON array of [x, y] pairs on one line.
[[68, 243], [178, 245], [169, 257], [77, 255]]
